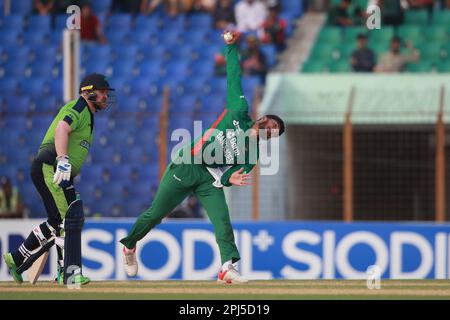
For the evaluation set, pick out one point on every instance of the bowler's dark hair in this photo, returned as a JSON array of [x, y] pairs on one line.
[[280, 122]]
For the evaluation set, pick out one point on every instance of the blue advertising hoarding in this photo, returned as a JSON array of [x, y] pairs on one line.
[[179, 249]]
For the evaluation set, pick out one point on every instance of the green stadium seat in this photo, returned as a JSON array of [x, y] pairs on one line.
[[423, 66], [379, 46], [330, 35], [350, 33], [323, 51], [430, 52], [410, 33], [314, 67], [346, 50], [435, 34], [443, 67], [441, 17], [340, 66], [445, 51], [418, 17], [360, 3], [384, 34]]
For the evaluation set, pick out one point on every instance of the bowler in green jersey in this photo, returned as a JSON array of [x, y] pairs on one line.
[[219, 158]]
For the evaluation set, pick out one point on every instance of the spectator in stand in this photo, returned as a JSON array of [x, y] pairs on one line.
[[254, 61], [10, 203], [91, 30], [391, 12], [199, 6], [126, 6], [363, 59], [60, 6], [275, 29], [422, 4], [223, 15], [172, 7], [394, 61], [339, 15], [43, 7], [250, 15], [359, 17]]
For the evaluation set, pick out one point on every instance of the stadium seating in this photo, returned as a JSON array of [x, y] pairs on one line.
[[155, 54], [334, 46]]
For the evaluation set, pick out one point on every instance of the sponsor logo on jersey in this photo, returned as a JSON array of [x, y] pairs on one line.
[[85, 144]]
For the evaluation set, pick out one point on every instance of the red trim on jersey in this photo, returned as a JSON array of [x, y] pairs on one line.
[[199, 145]]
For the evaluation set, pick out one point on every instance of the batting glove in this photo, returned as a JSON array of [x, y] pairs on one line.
[[62, 173]]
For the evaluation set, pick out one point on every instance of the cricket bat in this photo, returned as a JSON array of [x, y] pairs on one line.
[[36, 268]]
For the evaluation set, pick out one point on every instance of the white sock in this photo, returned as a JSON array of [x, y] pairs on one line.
[[226, 265]]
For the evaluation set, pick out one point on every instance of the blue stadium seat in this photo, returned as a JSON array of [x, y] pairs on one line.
[[46, 54], [61, 22], [218, 85], [250, 83], [170, 37], [195, 85], [116, 37], [103, 155], [146, 23], [14, 69], [270, 53], [101, 6], [96, 52], [41, 123], [292, 6], [42, 68], [185, 54], [212, 102], [203, 69], [154, 53], [123, 68], [92, 174], [55, 38], [125, 53], [18, 54], [185, 103], [19, 155], [8, 85], [12, 22], [119, 21], [34, 38], [198, 37], [46, 103], [141, 85], [200, 21], [38, 22], [176, 69], [173, 23], [141, 37], [22, 7], [9, 38], [34, 86], [56, 88], [150, 69], [97, 66], [154, 103], [18, 104], [14, 122]]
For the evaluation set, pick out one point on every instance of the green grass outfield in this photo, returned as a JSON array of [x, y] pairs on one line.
[[270, 289]]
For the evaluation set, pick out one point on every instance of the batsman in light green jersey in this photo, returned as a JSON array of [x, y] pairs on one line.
[[221, 157], [60, 158]]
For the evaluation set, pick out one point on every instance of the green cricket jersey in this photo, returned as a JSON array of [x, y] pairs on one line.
[[77, 114], [230, 129]]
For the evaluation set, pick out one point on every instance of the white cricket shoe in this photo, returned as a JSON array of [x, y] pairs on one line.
[[129, 261], [231, 276]]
